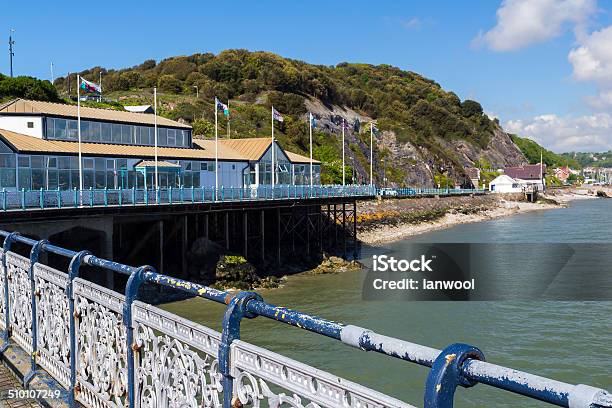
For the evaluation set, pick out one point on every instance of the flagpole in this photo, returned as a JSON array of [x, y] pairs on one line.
[[216, 153], [156, 165], [273, 169], [371, 153], [310, 149], [79, 134], [229, 133], [343, 176]]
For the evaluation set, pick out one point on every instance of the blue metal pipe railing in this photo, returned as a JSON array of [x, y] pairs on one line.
[[457, 365], [55, 199]]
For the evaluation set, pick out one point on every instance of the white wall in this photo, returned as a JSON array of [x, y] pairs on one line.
[[230, 175], [19, 124]]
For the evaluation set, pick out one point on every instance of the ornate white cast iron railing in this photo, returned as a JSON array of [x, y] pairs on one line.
[[110, 350]]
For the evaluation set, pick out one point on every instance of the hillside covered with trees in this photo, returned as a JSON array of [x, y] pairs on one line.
[[425, 131], [532, 150]]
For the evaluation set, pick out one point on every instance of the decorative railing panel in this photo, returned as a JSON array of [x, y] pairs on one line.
[[101, 346], [176, 361], [53, 321], [2, 293], [259, 374], [20, 299]]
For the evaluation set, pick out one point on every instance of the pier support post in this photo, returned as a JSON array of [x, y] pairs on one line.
[[227, 238], [245, 221], [278, 236], [344, 230], [184, 246], [355, 252], [160, 227], [263, 236]]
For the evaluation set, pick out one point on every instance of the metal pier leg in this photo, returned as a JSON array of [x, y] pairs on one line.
[[278, 237], [344, 230], [246, 234], [184, 245], [355, 243], [160, 224], [206, 225], [263, 236], [227, 240]]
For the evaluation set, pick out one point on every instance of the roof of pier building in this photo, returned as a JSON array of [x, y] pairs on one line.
[[28, 107], [228, 150]]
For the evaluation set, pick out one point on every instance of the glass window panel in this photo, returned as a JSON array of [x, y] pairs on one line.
[[24, 161], [110, 179], [7, 160], [52, 162], [85, 131], [162, 134], [94, 131], [122, 163], [64, 179], [51, 179], [63, 162], [50, 131], [171, 137], [37, 162], [74, 179], [7, 177], [100, 164], [179, 138], [105, 132], [110, 164], [116, 133], [196, 179], [88, 179], [126, 134], [100, 179], [60, 128], [38, 179], [88, 163], [72, 133], [25, 179], [74, 162]]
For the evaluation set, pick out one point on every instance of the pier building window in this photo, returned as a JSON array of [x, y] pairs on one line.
[[104, 132]]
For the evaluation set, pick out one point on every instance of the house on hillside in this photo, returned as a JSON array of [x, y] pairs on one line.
[[562, 173], [529, 175]]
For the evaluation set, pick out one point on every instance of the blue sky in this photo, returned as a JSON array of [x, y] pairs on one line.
[[513, 56]]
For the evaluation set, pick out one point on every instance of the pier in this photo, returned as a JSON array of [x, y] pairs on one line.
[[104, 348]]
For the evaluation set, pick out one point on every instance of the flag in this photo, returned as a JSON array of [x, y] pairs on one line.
[[90, 87], [313, 121], [276, 115], [222, 106]]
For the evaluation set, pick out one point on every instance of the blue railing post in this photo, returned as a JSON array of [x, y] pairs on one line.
[[42, 201], [76, 198], [181, 198], [133, 195], [120, 196], [170, 195], [6, 246], [203, 194], [157, 195], [4, 199], [59, 198], [106, 196], [73, 273], [131, 294], [235, 311], [34, 254], [23, 199], [91, 197], [192, 194], [222, 193], [446, 375]]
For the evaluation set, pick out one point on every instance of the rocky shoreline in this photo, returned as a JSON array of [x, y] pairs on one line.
[[393, 220]]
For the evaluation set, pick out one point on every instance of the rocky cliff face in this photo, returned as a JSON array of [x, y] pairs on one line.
[[405, 163]]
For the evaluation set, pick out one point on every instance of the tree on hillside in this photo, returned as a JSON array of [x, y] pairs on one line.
[[27, 87]]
